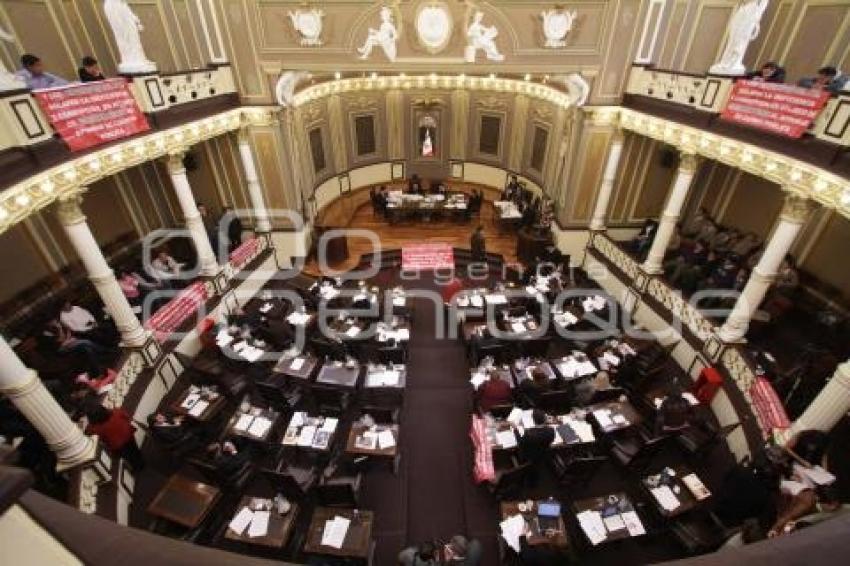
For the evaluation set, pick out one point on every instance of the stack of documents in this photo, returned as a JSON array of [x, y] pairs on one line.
[[298, 318], [506, 438], [592, 525], [198, 408], [259, 427], [477, 379], [665, 497], [696, 487], [512, 528], [335, 531], [386, 439], [257, 522]]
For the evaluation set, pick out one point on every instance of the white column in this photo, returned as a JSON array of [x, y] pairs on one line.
[[255, 190], [26, 391], [206, 256], [830, 406], [80, 235], [791, 220], [672, 211], [606, 186]]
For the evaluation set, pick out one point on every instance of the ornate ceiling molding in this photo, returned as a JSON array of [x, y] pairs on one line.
[[39, 191]]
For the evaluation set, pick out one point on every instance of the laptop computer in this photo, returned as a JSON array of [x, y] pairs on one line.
[[548, 515]]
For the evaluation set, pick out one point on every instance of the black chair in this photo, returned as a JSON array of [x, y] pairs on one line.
[[536, 348], [576, 471], [329, 401], [698, 439], [392, 355], [555, 402], [381, 415], [499, 353], [509, 484], [700, 533], [293, 480], [501, 411], [633, 452], [340, 491]]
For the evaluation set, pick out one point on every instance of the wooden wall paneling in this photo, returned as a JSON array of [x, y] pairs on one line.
[[238, 29], [157, 37], [708, 35], [622, 45], [595, 142], [38, 29], [54, 252], [204, 180], [163, 189], [626, 171], [640, 170], [99, 35], [132, 210], [748, 194], [105, 212], [774, 26], [188, 29], [655, 187], [816, 35], [519, 132], [674, 33], [831, 244], [149, 207], [17, 248]]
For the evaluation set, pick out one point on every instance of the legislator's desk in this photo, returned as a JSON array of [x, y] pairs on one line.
[[675, 491], [532, 243], [184, 501], [279, 530], [339, 374], [301, 368], [557, 537], [358, 538], [620, 519]]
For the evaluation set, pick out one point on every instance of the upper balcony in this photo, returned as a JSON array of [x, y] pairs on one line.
[[29, 142], [698, 100]]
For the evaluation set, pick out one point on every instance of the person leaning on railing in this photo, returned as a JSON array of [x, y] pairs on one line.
[[34, 75], [828, 78]]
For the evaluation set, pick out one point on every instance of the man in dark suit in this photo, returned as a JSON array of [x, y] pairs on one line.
[[234, 229], [534, 444], [476, 242]]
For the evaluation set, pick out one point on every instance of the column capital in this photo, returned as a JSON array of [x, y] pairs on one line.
[[796, 209], [174, 162], [69, 209], [688, 161]]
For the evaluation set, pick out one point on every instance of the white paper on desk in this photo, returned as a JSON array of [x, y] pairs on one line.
[[614, 523], [237, 347], [330, 424], [476, 300], [307, 434], [599, 302], [297, 419], [792, 488], [506, 438], [582, 429], [515, 416], [391, 377], [817, 475], [252, 354], [266, 308], [619, 419], [335, 531], [198, 408], [611, 359], [496, 299], [259, 525], [633, 524], [241, 520], [402, 334], [696, 487], [531, 290], [569, 368], [512, 528], [518, 327], [625, 349], [386, 439], [603, 417], [190, 400], [296, 364], [592, 525], [528, 418], [244, 422], [477, 379], [399, 301], [586, 368], [353, 331], [690, 398], [259, 427], [665, 497]]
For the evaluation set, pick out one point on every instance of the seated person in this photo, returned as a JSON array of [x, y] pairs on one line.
[[770, 72], [585, 389], [674, 414], [462, 552], [695, 226], [537, 385], [165, 268], [168, 429], [535, 443], [278, 333], [493, 391], [134, 286], [229, 458], [828, 78], [641, 243], [99, 381], [34, 75], [65, 342], [89, 70], [747, 491], [77, 319], [423, 555]]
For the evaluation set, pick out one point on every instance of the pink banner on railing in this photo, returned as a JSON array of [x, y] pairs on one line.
[[186, 303], [427, 256], [767, 407], [241, 255], [90, 114], [782, 109], [483, 468]]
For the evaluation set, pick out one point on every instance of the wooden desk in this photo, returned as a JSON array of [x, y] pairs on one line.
[[253, 413], [305, 373], [293, 433], [216, 404], [184, 501], [558, 539], [602, 505], [373, 379], [279, 531], [687, 499], [531, 243], [521, 375], [357, 430], [358, 539], [339, 375], [622, 408]]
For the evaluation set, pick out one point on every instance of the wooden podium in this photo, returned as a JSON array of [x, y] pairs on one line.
[[532, 243], [336, 247]]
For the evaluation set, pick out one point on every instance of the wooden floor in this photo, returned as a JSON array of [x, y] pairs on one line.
[[359, 216]]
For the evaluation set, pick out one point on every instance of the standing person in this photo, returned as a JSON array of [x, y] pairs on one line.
[[115, 429], [479, 248], [90, 70], [210, 226], [35, 76], [234, 228]]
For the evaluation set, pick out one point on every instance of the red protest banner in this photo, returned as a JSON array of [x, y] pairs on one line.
[[778, 108], [427, 256], [90, 114]]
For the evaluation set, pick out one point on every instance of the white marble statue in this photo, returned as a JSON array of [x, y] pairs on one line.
[[556, 25], [308, 24], [286, 85], [577, 87], [126, 28], [8, 81], [386, 36], [743, 28], [481, 37]]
